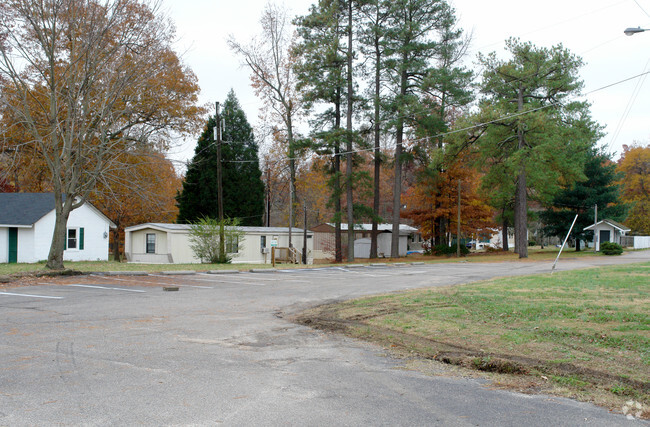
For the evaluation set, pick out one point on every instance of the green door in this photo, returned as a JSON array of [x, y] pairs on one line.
[[13, 245]]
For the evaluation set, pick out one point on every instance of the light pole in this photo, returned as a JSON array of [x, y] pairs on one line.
[[632, 31]]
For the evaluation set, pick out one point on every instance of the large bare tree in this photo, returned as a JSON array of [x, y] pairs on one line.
[[85, 80], [269, 58]]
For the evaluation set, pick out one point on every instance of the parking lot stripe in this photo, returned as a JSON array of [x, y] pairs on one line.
[[158, 283], [30, 295], [106, 287]]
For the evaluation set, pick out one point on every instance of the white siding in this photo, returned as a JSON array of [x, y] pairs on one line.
[[177, 248], [4, 245], [179, 245]]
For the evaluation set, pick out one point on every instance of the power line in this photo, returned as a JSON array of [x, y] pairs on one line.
[[443, 134], [640, 7]]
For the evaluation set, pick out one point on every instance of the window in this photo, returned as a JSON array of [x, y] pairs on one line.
[[232, 244], [151, 243], [72, 238], [75, 239], [262, 242]]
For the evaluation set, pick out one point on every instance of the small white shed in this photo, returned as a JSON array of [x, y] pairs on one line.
[[27, 224], [607, 230], [159, 243]]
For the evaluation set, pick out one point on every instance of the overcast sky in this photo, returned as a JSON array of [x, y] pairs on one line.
[[592, 29]]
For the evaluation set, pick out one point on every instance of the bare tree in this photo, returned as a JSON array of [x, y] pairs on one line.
[[85, 80], [271, 63]]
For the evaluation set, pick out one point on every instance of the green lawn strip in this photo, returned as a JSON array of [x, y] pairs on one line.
[[547, 254], [587, 331]]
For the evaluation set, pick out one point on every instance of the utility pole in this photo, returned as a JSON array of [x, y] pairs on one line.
[[304, 236], [268, 197], [217, 132], [290, 210], [458, 227]]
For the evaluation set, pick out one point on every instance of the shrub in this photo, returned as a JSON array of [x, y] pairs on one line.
[[205, 241], [439, 250], [611, 248]]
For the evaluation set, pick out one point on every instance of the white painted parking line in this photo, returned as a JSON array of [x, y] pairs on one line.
[[30, 295], [106, 287], [241, 278], [157, 283]]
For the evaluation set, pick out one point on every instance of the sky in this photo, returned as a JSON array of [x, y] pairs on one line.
[[592, 29]]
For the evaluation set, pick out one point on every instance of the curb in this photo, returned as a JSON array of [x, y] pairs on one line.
[[178, 272], [223, 271], [123, 273], [262, 270]]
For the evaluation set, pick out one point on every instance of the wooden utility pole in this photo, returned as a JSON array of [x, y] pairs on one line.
[[304, 237], [268, 197], [222, 237], [458, 227]]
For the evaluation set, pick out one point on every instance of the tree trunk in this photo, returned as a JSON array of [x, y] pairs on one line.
[[504, 231], [376, 196], [397, 185], [292, 174], [348, 157], [117, 256], [521, 205], [338, 238], [62, 212], [441, 232]]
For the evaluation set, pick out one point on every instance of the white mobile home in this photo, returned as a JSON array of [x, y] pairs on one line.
[[169, 243]]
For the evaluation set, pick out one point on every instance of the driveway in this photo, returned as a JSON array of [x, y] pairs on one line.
[[118, 350]]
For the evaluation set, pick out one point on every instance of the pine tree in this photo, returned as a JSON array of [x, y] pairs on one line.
[[243, 189], [412, 45], [320, 71], [580, 199], [535, 131]]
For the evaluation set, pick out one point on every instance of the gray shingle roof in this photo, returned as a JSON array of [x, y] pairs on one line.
[[186, 227], [24, 208]]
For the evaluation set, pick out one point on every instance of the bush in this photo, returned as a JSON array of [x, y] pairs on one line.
[[205, 240], [439, 250], [611, 248]]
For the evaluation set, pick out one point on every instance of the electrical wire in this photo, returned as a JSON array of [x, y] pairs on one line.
[[630, 104], [443, 134], [641, 7]]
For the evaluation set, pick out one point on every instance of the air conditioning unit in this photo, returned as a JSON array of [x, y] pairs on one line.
[[266, 250]]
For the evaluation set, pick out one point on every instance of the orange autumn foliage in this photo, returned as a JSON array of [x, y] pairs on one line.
[[436, 196]]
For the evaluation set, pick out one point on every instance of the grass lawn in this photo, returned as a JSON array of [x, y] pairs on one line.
[[103, 266], [583, 334]]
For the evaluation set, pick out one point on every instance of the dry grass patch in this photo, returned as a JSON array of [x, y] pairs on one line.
[[584, 334]]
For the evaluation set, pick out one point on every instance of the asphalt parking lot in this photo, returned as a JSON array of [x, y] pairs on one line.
[[118, 350]]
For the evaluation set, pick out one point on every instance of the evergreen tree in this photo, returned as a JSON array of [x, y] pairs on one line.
[[412, 45], [580, 199], [534, 130], [243, 189], [320, 68]]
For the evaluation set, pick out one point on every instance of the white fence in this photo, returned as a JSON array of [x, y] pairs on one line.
[[636, 242]]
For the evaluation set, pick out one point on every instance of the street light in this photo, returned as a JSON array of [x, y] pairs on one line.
[[632, 31]]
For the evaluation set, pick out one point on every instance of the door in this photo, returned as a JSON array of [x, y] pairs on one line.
[[604, 236], [13, 245]]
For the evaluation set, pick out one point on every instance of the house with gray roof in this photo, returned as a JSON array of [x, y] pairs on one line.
[[27, 225], [607, 230]]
